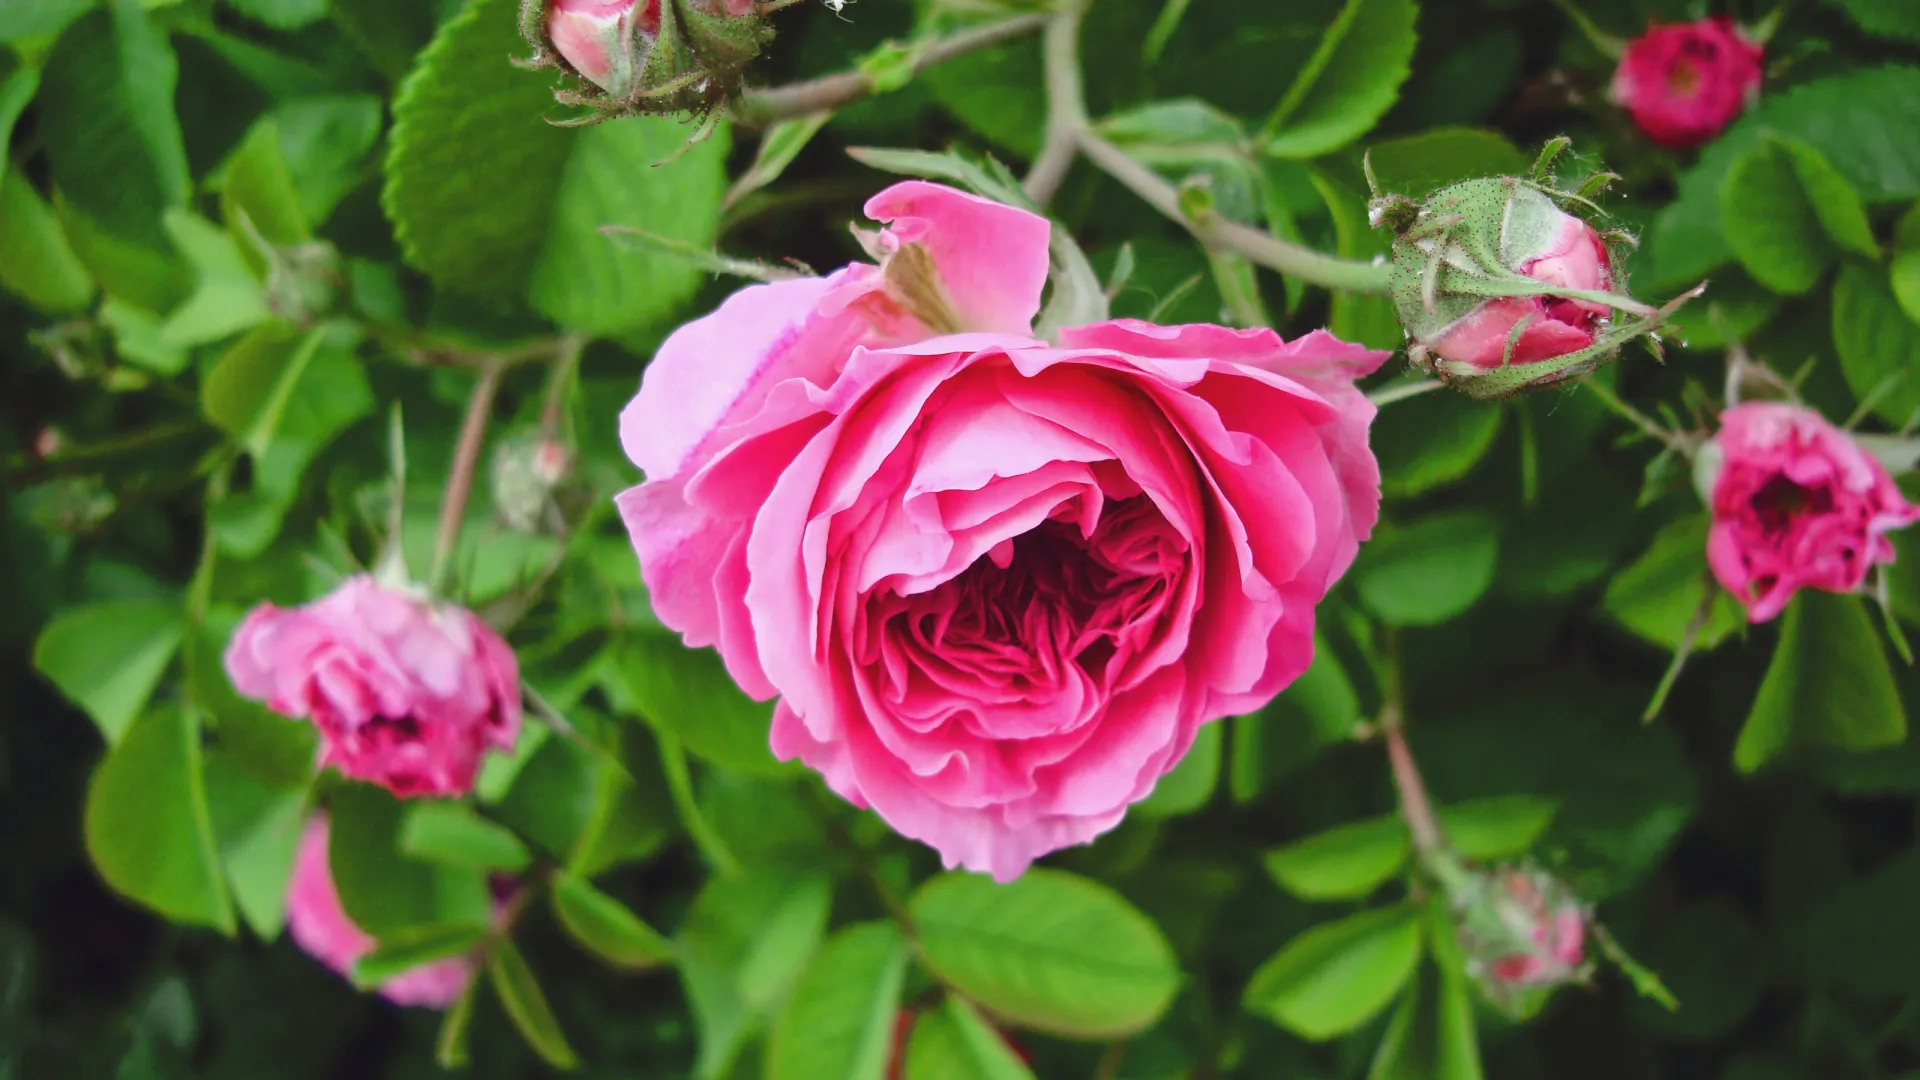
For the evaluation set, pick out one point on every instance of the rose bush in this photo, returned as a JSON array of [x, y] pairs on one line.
[[997, 583]]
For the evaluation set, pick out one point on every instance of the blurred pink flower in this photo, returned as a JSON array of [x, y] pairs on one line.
[[1796, 504], [1685, 82], [997, 584], [407, 693]]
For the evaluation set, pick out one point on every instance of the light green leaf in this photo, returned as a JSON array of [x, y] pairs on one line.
[[259, 185], [36, 262], [325, 141], [1771, 221], [451, 834], [606, 927], [1365, 318], [1504, 827], [1430, 571], [282, 14], [1346, 863], [688, 694], [109, 656], [1338, 975], [1827, 686], [1190, 785], [839, 1020], [1879, 346], [1351, 81], [16, 93], [258, 828], [384, 892], [450, 1049], [527, 1006], [1904, 277], [1432, 1035], [779, 145], [532, 230], [952, 1042], [746, 939], [409, 949], [147, 825], [137, 340], [1657, 596], [1050, 950], [1834, 201], [226, 298], [21, 19]]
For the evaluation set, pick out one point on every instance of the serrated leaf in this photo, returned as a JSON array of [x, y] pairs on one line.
[[526, 1005], [451, 834], [952, 1042], [1878, 345], [1771, 222], [1050, 950], [1338, 975], [1345, 863], [606, 927], [1828, 685], [148, 830], [1351, 81], [1430, 571], [108, 657], [839, 1020]]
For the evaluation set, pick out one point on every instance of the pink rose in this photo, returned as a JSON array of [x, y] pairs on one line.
[[320, 927], [1796, 504], [996, 584], [1683, 83], [1566, 253], [407, 693]]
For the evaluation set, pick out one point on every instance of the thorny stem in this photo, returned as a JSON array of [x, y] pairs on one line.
[[1215, 231], [559, 383], [1672, 440], [759, 108], [466, 455], [1066, 102]]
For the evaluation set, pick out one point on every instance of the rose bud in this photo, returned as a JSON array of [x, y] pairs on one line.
[[997, 583], [525, 471], [1683, 83], [1796, 504], [320, 926], [604, 43], [407, 693], [1502, 291], [1522, 931], [651, 56]]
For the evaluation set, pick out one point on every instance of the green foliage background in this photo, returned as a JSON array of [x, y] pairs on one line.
[[233, 233]]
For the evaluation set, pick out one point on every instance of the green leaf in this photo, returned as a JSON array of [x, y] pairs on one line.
[[1504, 827], [1338, 975], [250, 385], [839, 1020], [1351, 81], [36, 262], [1834, 201], [527, 1006], [1432, 1035], [259, 185], [1904, 278], [388, 33], [746, 939], [1368, 319], [1894, 19], [258, 828], [779, 145], [226, 299], [148, 830], [16, 93], [533, 229], [106, 113], [688, 694], [1879, 346], [1827, 686], [1345, 863], [108, 657], [282, 14], [325, 141], [1430, 571], [952, 1042], [409, 949], [21, 19], [384, 892], [1771, 221], [450, 1044], [1189, 787], [1433, 440], [1657, 596], [1418, 165], [997, 93], [451, 834], [607, 928], [1050, 950]]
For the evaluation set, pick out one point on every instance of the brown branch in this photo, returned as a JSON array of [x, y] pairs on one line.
[[473, 434]]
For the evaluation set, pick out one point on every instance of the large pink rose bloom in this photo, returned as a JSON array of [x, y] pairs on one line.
[[320, 926], [1796, 504], [1683, 83], [1572, 257], [407, 693], [996, 584]]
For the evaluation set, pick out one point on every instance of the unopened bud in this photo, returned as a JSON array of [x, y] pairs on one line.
[[526, 469], [1523, 932], [604, 43], [47, 442], [648, 56]]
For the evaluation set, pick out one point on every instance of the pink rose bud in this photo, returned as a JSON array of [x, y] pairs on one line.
[[525, 471], [47, 442], [1522, 930], [320, 926], [1683, 83], [605, 43], [407, 693], [648, 56], [1796, 504]]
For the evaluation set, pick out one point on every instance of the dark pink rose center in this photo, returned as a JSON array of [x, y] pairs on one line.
[[1780, 503]]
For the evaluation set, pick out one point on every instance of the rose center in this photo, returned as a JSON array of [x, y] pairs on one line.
[[1780, 502]]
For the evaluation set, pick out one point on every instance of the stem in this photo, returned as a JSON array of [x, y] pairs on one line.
[[1691, 636], [673, 762], [23, 469], [559, 383], [1066, 102], [1313, 267], [759, 108], [1109, 1065], [1387, 395], [1415, 806], [1673, 440], [453, 506]]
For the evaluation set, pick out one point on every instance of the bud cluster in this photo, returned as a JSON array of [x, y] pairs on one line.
[[667, 57]]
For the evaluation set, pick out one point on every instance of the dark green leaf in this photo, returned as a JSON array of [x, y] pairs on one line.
[[1418, 165], [1828, 685], [1431, 440], [1190, 785], [606, 927], [1489, 830], [1338, 975], [1879, 346], [383, 891], [282, 14], [31, 18], [1430, 571], [1895, 19], [688, 694], [1770, 219], [1659, 594], [839, 1020], [148, 829], [1352, 79], [1051, 950], [527, 1006]]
